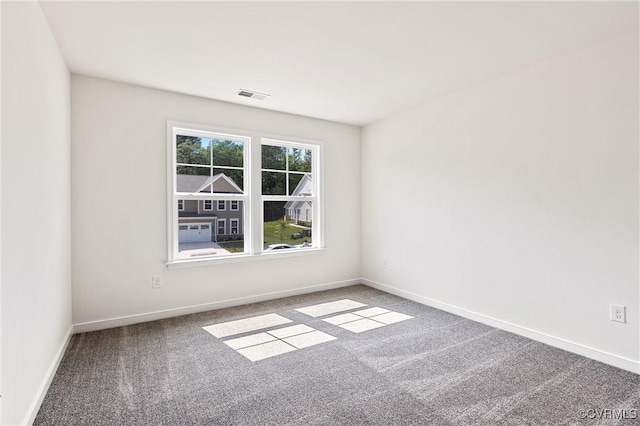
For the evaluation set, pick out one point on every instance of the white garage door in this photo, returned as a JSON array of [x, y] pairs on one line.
[[194, 233]]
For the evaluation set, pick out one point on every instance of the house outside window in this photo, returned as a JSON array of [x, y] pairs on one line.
[[288, 185], [234, 205], [222, 205], [234, 226], [207, 167]]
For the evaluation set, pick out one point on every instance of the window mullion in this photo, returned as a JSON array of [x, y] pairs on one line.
[[256, 203], [209, 195], [286, 175]]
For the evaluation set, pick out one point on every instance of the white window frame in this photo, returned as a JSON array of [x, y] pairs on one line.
[[316, 196], [224, 205], [180, 205], [204, 205], [231, 226], [173, 130], [236, 203], [224, 226], [250, 202]]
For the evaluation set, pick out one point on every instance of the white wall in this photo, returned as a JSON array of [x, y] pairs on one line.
[[516, 200], [119, 203], [36, 265]]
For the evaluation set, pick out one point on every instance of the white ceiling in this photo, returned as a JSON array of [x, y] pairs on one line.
[[348, 62]]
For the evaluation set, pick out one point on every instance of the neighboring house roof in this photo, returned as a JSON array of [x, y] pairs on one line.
[[196, 183], [297, 205], [190, 183], [304, 187]]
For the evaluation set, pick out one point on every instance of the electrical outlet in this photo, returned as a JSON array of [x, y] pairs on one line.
[[618, 313], [155, 282]]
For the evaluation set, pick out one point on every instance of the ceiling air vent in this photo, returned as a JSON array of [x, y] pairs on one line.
[[253, 95]]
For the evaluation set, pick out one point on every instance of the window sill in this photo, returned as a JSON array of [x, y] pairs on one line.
[[191, 263]]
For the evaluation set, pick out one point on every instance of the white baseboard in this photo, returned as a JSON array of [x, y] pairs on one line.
[[567, 345], [46, 382], [169, 313]]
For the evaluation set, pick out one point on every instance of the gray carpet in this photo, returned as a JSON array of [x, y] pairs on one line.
[[434, 369]]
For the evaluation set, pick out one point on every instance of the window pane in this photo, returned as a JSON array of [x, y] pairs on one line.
[[193, 179], [294, 181], [299, 159], [202, 234], [274, 183], [193, 150], [228, 181], [227, 153], [287, 225], [274, 157], [193, 170], [300, 184]]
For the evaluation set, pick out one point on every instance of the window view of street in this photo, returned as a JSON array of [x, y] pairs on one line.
[[283, 232], [287, 181], [209, 226], [210, 199]]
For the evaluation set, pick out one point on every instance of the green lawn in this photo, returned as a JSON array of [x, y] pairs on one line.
[[272, 234], [233, 246]]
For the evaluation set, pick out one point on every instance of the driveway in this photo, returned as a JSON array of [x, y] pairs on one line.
[[191, 250]]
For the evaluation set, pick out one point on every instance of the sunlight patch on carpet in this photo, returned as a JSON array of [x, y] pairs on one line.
[[330, 307], [245, 325], [366, 319], [267, 344]]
